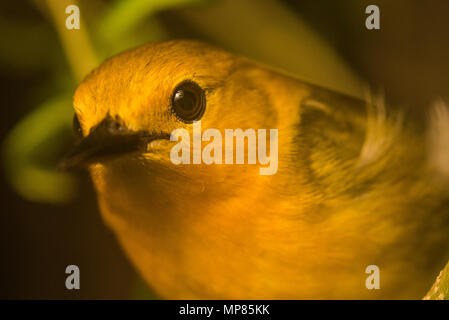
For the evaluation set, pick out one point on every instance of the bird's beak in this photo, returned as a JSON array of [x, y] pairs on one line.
[[109, 139]]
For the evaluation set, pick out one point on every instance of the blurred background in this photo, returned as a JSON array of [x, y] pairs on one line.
[[50, 219]]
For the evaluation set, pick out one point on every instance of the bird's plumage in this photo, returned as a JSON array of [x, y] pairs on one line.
[[354, 186]]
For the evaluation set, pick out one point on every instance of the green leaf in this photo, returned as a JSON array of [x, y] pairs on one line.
[[124, 15], [28, 149]]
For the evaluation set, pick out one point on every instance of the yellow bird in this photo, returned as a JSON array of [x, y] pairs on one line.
[[354, 186]]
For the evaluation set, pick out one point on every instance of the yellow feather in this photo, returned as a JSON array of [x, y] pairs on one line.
[[353, 187]]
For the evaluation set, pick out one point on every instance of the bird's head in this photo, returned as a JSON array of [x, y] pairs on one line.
[[142, 95], [133, 101]]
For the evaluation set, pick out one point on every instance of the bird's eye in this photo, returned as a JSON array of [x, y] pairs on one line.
[[188, 101], [77, 127]]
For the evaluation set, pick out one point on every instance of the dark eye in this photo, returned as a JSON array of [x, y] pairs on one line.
[[77, 127], [188, 101]]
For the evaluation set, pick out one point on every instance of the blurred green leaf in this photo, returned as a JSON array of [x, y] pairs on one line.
[[124, 15], [28, 174]]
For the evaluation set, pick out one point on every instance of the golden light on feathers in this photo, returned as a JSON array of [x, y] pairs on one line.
[[352, 188]]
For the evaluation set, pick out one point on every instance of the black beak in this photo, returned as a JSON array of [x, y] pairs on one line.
[[108, 139]]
